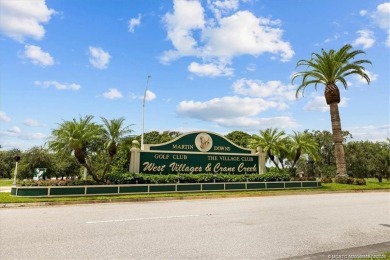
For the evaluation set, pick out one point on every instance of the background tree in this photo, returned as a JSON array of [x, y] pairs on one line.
[[7, 162], [36, 157], [155, 137], [65, 165], [368, 159], [167, 136], [239, 138], [152, 137], [329, 68], [326, 162]]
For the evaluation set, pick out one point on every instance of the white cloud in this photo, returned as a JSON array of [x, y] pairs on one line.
[[381, 18], [224, 108], [210, 70], [15, 130], [273, 89], [381, 15], [222, 7], [259, 123], [34, 136], [57, 85], [366, 39], [4, 117], [31, 122], [318, 103], [252, 35], [363, 12], [24, 18], [98, 57], [37, 56], [186, 17], [234, 112], [150, 95], [370, 133], [23, 136], [134, 22], [113, 93], [215, 43]]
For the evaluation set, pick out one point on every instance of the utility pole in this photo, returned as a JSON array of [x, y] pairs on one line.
[[143, 113]]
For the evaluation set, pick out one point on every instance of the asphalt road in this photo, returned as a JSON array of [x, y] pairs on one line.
[[234, 228]]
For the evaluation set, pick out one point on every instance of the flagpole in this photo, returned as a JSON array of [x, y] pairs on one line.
[[143, 113]]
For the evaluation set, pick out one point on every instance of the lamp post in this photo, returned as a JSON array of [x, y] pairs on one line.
[[143, 113], [17, 159]]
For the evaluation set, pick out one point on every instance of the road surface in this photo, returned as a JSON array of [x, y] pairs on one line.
[[229, 228]]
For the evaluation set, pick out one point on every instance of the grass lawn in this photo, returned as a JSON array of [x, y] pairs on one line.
[[372, 184], [6, 182]]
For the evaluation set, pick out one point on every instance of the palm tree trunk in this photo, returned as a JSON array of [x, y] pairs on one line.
[[272, 157], [341, 165]]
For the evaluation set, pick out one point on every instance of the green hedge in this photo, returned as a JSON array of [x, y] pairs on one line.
[[131, 178], [74, 182]]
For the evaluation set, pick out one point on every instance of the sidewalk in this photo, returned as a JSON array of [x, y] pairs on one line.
[[5, 188]]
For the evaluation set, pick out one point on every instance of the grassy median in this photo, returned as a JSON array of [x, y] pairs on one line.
[[372, 184]]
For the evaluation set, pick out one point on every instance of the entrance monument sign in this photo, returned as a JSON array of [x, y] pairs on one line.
[[197, 152]]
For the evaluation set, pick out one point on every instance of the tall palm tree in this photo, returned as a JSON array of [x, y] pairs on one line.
[[77, 137], [272, 141], [329, 68]]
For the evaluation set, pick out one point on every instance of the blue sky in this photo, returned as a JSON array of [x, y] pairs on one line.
[[217, 66]]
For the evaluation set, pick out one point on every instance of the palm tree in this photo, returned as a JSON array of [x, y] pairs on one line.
[[77, 137], [113, 133], [329, 68], [302, 143], [271, 140]]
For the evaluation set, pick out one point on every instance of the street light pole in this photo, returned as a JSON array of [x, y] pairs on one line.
[[143, 113], [17, 159]]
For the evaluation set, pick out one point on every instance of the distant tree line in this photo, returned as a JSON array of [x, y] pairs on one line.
[[107, 151]]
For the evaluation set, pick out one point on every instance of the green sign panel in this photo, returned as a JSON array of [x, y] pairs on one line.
[[168, 162], [200, 142], [198, 152], [39, 173]]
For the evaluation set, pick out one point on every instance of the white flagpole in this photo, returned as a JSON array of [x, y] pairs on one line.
[[143, 113]]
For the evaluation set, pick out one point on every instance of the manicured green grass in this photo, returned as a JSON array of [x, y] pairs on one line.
[[371, 184], [6, 182]]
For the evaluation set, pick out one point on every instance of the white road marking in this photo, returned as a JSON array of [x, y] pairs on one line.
[[140, 219]]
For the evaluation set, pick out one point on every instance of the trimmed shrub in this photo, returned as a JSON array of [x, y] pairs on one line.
[[360, 181], [344, 180], [132, 178], [326, 180]]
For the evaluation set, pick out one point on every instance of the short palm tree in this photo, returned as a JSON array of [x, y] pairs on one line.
[[329, 68], [113, 133], [77, 137], [271, 141], [302, 143]]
